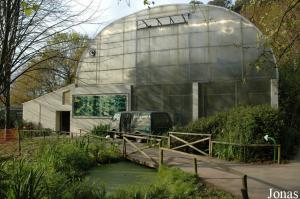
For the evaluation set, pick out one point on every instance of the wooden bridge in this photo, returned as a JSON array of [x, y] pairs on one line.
[[153, 151], [193, 153]]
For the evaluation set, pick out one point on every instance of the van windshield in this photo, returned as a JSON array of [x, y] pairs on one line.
[[160, 120]]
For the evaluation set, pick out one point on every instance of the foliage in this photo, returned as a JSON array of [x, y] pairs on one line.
[[84, 190], [289, 88], [222, 3], [278, 22], [172, 183], [100, 130], [104, 153], [90, 105], [244, 125], [25, 181], [65, 50]]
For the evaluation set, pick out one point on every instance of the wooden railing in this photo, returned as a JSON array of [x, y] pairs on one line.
[[277, 147], [210, 161], [152, 142], [207, 138]]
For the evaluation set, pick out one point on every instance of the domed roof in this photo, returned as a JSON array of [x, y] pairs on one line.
[[176, 43]]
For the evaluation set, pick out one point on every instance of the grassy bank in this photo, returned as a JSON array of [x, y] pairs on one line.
[[56, 169]]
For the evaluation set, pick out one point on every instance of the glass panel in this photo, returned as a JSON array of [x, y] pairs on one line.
[[161, 43], [111, 49], [130, 26], [143, 45], [130, 35], [130, 46], [113, 28], [98, 106], [129, 75], [199, 39], [143, 59], [168, 74], [164, 30], [200, 72], [158, 58], [88, 64], [226, 71], [226, 36], [252, 37], [129, 60], [217, 13], [111, 62], [87, 78], [225, 25], [111, 76], [199, 55], [112, 38]]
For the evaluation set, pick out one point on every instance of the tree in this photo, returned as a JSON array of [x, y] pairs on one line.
[[53, 73], [279, 21], [222, 3], [25, 28]]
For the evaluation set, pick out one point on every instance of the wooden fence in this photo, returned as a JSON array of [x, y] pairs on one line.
[[277, 148]]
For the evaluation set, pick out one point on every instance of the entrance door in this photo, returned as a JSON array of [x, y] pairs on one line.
[[125, 122], [65, 121]]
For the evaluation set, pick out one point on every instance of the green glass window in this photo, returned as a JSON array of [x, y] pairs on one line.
[[98, 106]]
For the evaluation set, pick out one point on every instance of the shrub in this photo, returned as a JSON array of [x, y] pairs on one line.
[[103, 152], [172, 183], [84, 190], [244, 125], [72, 161], [26, 181], [100, 130]]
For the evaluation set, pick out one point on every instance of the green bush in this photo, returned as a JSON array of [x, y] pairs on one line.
[[103, 152], [100, 130], [85, 190], [72, 161], [244, 125], [172, 183], [25, 181]]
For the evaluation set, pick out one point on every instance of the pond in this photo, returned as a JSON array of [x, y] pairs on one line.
[[121, 175]]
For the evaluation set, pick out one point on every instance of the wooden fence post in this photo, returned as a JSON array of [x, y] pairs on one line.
[[169, 141], [244, 190], [19, 142], [210, 147], [160, 143], [195, 166], [279, 154], [161, 156], [124, 148]]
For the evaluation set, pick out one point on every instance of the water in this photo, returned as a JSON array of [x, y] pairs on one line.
[[121, 175]]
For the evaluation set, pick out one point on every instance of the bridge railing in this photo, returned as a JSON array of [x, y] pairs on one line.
[[197, 138]]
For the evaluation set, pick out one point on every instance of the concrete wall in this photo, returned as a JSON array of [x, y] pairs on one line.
[[88, 122], [44, 110]]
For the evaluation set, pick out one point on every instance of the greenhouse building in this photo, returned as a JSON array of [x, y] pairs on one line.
[[188, 60]]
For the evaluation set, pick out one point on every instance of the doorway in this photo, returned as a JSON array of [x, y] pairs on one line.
[[64, 121]]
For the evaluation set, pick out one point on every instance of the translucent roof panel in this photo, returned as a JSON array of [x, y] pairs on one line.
[[176, 44]]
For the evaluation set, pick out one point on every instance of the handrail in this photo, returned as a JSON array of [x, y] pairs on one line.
[[194, 134], [246, 145]]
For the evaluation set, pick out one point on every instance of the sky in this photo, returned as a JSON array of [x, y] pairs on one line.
[[107, 11]]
